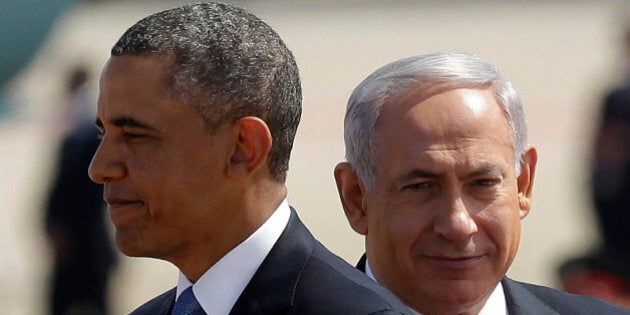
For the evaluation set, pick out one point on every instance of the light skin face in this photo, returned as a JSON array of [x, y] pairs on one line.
[[171, 185], [442, 225]]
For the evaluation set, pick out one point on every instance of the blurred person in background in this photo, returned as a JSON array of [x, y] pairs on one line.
[[605, 272], [198, 108], [438, 179], [83, 254]]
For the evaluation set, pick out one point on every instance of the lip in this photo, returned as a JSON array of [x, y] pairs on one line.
[[116, 201], [455, 262], [123, 211]]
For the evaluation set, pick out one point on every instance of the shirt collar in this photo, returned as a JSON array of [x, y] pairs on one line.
[[218, 288], [495, 304]]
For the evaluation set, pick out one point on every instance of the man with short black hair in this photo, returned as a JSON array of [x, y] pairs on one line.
[[197, 110]]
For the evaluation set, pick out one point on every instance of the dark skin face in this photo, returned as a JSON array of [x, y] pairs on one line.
[[442, 225], [172, 186]]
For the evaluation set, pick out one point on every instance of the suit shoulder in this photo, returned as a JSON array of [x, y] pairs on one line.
[[161, 304], [566, 303], [330, 285]]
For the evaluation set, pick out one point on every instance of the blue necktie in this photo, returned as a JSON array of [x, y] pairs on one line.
[[187, 304]]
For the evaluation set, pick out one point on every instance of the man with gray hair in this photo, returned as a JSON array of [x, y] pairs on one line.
[[197, 110], [438, 178]]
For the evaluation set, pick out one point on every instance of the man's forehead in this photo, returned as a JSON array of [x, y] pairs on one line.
[[470, 168], [139, 67], [133, 91], [472, 153], [451, 113], [421, 91]]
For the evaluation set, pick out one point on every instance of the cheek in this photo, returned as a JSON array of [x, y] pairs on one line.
[[146, 165], [160, 183], [514, 233], [508, 241], [401, 225], [502, 227]]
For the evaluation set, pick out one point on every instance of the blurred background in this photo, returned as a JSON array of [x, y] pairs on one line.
[[563, 56]]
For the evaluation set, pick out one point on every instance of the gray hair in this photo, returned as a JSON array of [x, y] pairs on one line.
[[226, 63], [395, 79]]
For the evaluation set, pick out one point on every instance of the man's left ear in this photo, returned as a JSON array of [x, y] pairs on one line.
[[252, 146], [525, 180]]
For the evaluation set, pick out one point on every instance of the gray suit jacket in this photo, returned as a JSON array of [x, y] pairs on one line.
[[300, 276]]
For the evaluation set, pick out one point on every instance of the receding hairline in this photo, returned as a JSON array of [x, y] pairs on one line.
[[422, 91], [418, 93]]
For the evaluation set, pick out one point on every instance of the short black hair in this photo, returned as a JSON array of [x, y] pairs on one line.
[[226, 63]]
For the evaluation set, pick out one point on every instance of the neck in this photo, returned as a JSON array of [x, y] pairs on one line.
[[237, 222]]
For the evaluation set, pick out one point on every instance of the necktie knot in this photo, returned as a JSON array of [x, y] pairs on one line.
[[187, 304]]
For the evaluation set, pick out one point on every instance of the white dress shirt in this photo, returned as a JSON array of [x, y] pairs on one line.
[[218, 288], [495, 304]]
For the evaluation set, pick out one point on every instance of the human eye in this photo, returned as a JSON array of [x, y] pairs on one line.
[[418, 186], [486, 182], [133, 135]]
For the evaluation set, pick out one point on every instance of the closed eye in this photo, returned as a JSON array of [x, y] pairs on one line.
[[132, 132], [133, 135]]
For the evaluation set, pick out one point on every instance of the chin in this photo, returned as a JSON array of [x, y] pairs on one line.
[[465, 297], [458, 307], [130, 244]]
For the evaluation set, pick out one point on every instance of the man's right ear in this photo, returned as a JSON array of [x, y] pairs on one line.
[[352, 193]]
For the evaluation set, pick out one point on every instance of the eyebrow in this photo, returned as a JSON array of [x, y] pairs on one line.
[[487, 169], [125, 121], [418, 173], [484, 169]]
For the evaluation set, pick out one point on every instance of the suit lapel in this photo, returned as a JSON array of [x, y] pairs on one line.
[[521, 301], [271, 290], [160, 305], [166, 304]]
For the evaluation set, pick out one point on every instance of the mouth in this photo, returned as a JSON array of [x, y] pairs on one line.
[[124, 211], [115, 202], [454, 262]]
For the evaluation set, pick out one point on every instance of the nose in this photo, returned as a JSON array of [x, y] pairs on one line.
[[455, 221], [106, 165]]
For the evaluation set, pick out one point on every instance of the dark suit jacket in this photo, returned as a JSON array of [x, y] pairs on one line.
[[300, 276], [522, 298]]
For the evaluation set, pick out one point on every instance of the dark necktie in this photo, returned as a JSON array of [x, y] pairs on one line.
[[187, 304]]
